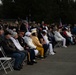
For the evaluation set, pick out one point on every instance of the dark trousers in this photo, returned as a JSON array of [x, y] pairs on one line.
[[68, 41], [46, 47], [19, 58], [31, 55], [53, 41]]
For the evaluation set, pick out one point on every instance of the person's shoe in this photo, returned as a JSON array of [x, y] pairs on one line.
[[52, 53], [42, 58], [29, 63], [34, 62], [73, 43], [65, 46], [18, 69], [20, 66], [45, 56]]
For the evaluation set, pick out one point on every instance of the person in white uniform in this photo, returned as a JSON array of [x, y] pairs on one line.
[[59, 37], [44, 35]]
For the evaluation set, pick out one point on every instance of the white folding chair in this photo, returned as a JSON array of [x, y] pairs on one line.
[[2, 51], [5, 62], [4, 54], [58, 44]]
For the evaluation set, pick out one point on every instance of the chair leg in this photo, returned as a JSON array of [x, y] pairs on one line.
[[10, 66], [58, 44], [3, 67]]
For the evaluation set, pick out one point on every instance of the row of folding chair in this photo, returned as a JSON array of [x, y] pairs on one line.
[[5, 62]]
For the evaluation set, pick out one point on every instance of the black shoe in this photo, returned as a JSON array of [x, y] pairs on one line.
[[42, 58], [45, 56], [54, 51], [18, 69], [20, 66], [29, 63]]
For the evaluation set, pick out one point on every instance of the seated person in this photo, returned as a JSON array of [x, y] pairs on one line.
[[31, 53], [29, 41], [50, 35], [59, 37], [13, 50], [36, 42], [67, 34], [44, 35]]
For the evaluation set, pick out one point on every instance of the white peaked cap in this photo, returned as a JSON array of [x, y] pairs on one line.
[[28, 33], [33, 30], [45, 31]]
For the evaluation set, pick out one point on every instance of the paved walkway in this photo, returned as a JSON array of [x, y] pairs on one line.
[[62, 63]]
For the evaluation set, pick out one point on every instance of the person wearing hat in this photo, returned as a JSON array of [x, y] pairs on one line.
[[34, 30], [37, 43], [31, 54], [50, 47], [12, 51], [28, 40]]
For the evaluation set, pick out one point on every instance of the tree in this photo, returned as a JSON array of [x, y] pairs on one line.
[[47, 10]]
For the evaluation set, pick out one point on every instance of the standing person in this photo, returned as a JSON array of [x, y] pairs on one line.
[[42, 24], [24, 26], [1, 34], [1, 38]]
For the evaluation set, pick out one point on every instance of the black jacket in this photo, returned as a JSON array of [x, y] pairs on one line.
[[9, 46]]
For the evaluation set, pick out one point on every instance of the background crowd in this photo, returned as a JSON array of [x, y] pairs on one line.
[[28, 41]]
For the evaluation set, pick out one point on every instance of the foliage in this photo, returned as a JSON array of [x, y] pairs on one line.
[[47, 10]]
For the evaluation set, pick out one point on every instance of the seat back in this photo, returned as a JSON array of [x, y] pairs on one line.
[[2, 51], [4, 55]]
